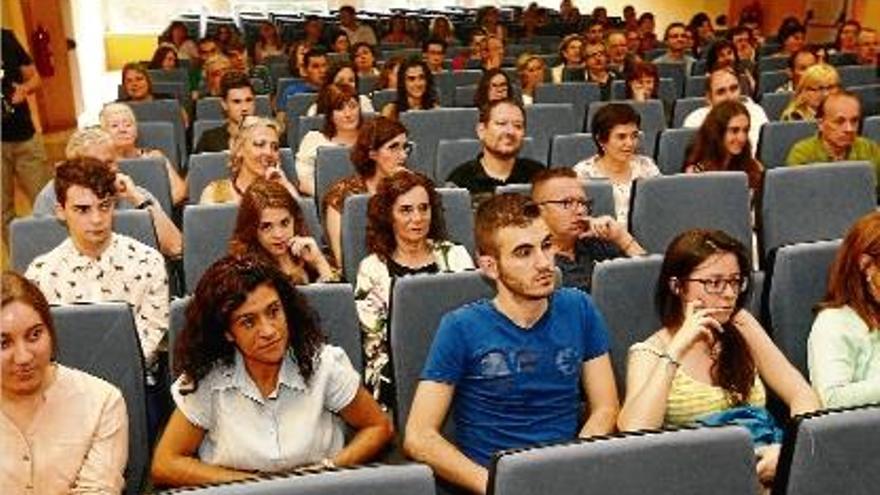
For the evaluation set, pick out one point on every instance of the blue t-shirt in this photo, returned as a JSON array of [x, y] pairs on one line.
[[294, 88], [516, 387]]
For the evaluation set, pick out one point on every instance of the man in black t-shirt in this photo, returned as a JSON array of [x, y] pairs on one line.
[[24, 157], [501, 130]]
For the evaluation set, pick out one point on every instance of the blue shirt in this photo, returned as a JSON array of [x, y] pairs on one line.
[[513, 386], [293, 89]]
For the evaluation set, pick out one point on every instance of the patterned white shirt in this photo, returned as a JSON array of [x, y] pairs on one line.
[[127, 271], [641, 166]]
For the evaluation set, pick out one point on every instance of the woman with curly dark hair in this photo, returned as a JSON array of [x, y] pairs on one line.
[[259, 389], [415, 89], [406, 235], [270, 225], [722, 144], [711, 358]]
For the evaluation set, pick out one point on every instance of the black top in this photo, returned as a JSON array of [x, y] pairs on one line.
[[578, 273], [396, 270], [471, 176], [17, 123], [216, 139]]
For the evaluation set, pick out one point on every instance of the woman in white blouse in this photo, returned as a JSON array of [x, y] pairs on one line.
[[342, 122], [615, 129], [259, 390], [406, 235]]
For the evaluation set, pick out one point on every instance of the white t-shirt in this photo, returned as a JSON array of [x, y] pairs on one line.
[[757, 118]]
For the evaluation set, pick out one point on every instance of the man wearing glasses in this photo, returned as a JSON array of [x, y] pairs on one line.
[[676, 44], [580, 240], [596, 60], [501, 130], [434, 52]]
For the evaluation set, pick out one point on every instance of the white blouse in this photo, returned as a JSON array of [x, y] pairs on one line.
[[296, 425], [641, 166]]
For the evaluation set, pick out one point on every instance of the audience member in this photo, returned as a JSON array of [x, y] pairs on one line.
[[415, 89], [406, 235], [259, 390], [434, 54], [355, 30], [815, 85], [397, 33], [642, 82], [441, 28], [676, 48], [843, 351], [343, 73], [792, 35], [868, 47], [474, 366], [215, 68], [798, 63], [471, 58], [271, 226], [315, 62], [177, 35], [615, 47], [495, 85], [164, 58], [580, 240], [261, 78], [269, 43], [615, 130], [364, 57], [340, 44], [847, 39], [709, 362], [722, 54], [61, 429], [571, 53], [596, 58], [530, 69], [238, 101], [388, 74], [380, 150], [501, 130], [343, 118], [492, 53]]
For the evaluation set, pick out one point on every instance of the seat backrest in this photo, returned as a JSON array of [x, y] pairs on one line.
[[299, 103], [163, 111], [200, 126], [101, 339], [798, 282], [331, 164], [418, 304], [160, 136], [152, 175], [683, 107], [672, 149], [719, 460], [777, 138], [769, 81], [871, 127], [578, 94], [467, 77], [386, 479], [453, 152], [383, 97], [464, 96], [666, 92], [869, 94], [203, 169], [774, 103], [457, 212], [545, 120], [428, 127], [774, 63], [665, 206], [623, 290], [601, 192], [33, 236], [338, 318], [366, 83], [695, 86], [206, 233], [818, 455], [858, 75], [169, 75], [308, 123], [569, 149], [674, 71], [813, 202]]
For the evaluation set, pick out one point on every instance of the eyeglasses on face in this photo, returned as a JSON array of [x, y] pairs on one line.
[[570, 204], [717, 285], [406, 146]]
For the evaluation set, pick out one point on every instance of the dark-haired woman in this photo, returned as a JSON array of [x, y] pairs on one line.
[[711, 355], [415, 89], [406, 235], [259, 390]]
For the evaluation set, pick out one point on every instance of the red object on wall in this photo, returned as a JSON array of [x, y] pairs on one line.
[[43, 58]]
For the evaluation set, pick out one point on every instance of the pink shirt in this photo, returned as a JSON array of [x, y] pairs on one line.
[[77, 443]]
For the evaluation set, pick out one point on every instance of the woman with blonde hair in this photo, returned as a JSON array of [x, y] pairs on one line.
[[120, 122], [815, 84], [530, 68], [253, 154]]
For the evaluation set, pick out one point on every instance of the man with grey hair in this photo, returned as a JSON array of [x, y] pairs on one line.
[[95, 143]]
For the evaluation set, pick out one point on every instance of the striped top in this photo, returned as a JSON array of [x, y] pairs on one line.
[[690, 399]]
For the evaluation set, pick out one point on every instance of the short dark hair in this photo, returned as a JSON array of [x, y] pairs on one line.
[[361, 44], [547, 174], [609, 116], [793, 57], [434, 40], [373, 134], [234, 80], [740, 29], [347, 8], [486, 110], [671, 27], [312, 53], [790, 26], [234, 45], [86, 172], [497, 212]]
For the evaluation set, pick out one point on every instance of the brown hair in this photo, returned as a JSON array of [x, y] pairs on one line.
[[481, 96], [846, 279], [607, 118], [86, 172], [639, 70], [262, 194], [16, 288], [498, 212], [374, 133], [734, 370], [142, 69], [380, 223], [333, 97], [710, 152]]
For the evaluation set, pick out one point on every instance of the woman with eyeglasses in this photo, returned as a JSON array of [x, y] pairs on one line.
[[415, 89], [843, 351], [495, 85], [615, 130], [380, 150], [815, 84], [253, 154], [406, 235], [709, 362]]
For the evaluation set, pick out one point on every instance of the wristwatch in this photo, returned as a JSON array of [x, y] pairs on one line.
[[145, 204]]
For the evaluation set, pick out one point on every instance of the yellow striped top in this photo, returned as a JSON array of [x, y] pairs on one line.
[[690, 399]]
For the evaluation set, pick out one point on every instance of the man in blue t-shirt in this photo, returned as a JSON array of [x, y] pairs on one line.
[[512, 364]]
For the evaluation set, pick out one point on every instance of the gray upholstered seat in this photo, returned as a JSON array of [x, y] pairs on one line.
[[545, 120], [428, 127], [672, 149], [569, 149], [160, 136], [203, 169], [152, 175], [777, 138]]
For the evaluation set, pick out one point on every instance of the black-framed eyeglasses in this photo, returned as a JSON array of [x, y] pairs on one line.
[[570, 203], [717, 285]]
